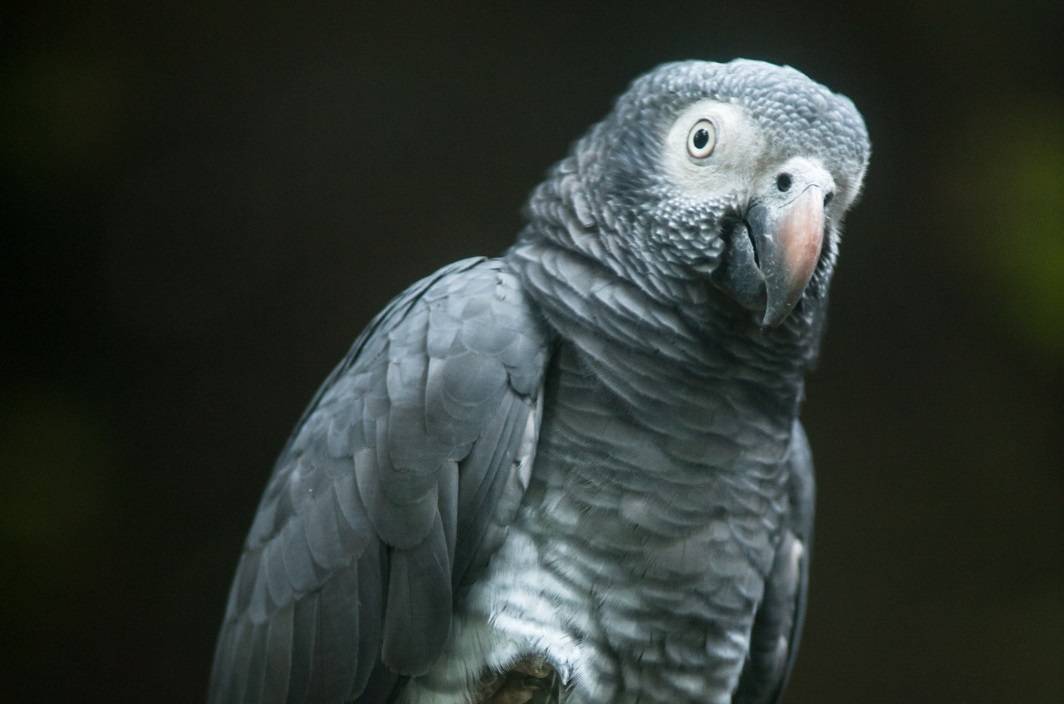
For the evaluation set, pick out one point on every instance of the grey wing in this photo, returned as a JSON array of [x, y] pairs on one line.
[[401, 475], [780, 616]]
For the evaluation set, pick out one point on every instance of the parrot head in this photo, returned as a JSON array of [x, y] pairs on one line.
[[726, 177]]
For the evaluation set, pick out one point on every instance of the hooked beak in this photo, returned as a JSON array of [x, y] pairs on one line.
[[788, 250], [774, 252]]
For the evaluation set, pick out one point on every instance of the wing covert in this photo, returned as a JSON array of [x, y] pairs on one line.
[[405, 465]]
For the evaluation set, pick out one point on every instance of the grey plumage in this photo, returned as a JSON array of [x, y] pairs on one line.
[[586, 450], [353, 549]]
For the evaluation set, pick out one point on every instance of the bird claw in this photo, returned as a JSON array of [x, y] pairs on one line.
[[530, 680], [536, 667]]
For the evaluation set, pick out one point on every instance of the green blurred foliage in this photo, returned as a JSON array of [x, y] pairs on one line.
[[1011, 204], [56, 481], [57, 507]]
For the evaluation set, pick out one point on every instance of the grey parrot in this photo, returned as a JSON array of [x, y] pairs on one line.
[[574, 473]]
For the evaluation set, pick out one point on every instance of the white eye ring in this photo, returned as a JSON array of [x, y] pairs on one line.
[[701, 139]]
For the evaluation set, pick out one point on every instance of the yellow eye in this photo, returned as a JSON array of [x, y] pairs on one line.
[[701, 139]]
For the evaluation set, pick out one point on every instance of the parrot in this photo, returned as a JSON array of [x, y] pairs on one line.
[[575, 473]]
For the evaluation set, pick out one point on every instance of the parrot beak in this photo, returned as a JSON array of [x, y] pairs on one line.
[[772, 255], [788, 250]]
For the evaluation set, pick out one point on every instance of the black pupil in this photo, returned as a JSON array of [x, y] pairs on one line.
[[701, 138]]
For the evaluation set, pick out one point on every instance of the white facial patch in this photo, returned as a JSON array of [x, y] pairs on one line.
[[732, 164]]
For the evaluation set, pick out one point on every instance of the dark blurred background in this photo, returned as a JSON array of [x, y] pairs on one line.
[[204, 203]]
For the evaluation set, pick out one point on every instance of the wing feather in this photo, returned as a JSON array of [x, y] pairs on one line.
[[256, 667], [304, 637], [336, 646], [415, 627], [389, 486], [371, 613], [778, 624], [279, 656]]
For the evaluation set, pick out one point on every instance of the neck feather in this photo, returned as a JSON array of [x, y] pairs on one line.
[[629, 335]]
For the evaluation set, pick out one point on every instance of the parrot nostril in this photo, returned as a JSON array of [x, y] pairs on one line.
[[828, 197], [783, 182]]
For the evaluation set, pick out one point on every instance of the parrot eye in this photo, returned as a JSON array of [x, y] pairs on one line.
[[701, 139]]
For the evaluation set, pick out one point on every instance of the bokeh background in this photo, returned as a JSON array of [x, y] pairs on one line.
[[203, 203]]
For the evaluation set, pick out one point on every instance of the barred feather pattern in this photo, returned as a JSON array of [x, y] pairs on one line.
[[660, 519]]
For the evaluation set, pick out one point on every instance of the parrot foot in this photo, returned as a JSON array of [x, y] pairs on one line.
[[530, 680]]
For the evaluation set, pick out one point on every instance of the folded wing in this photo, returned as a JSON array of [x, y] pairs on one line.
[[397, 484]]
